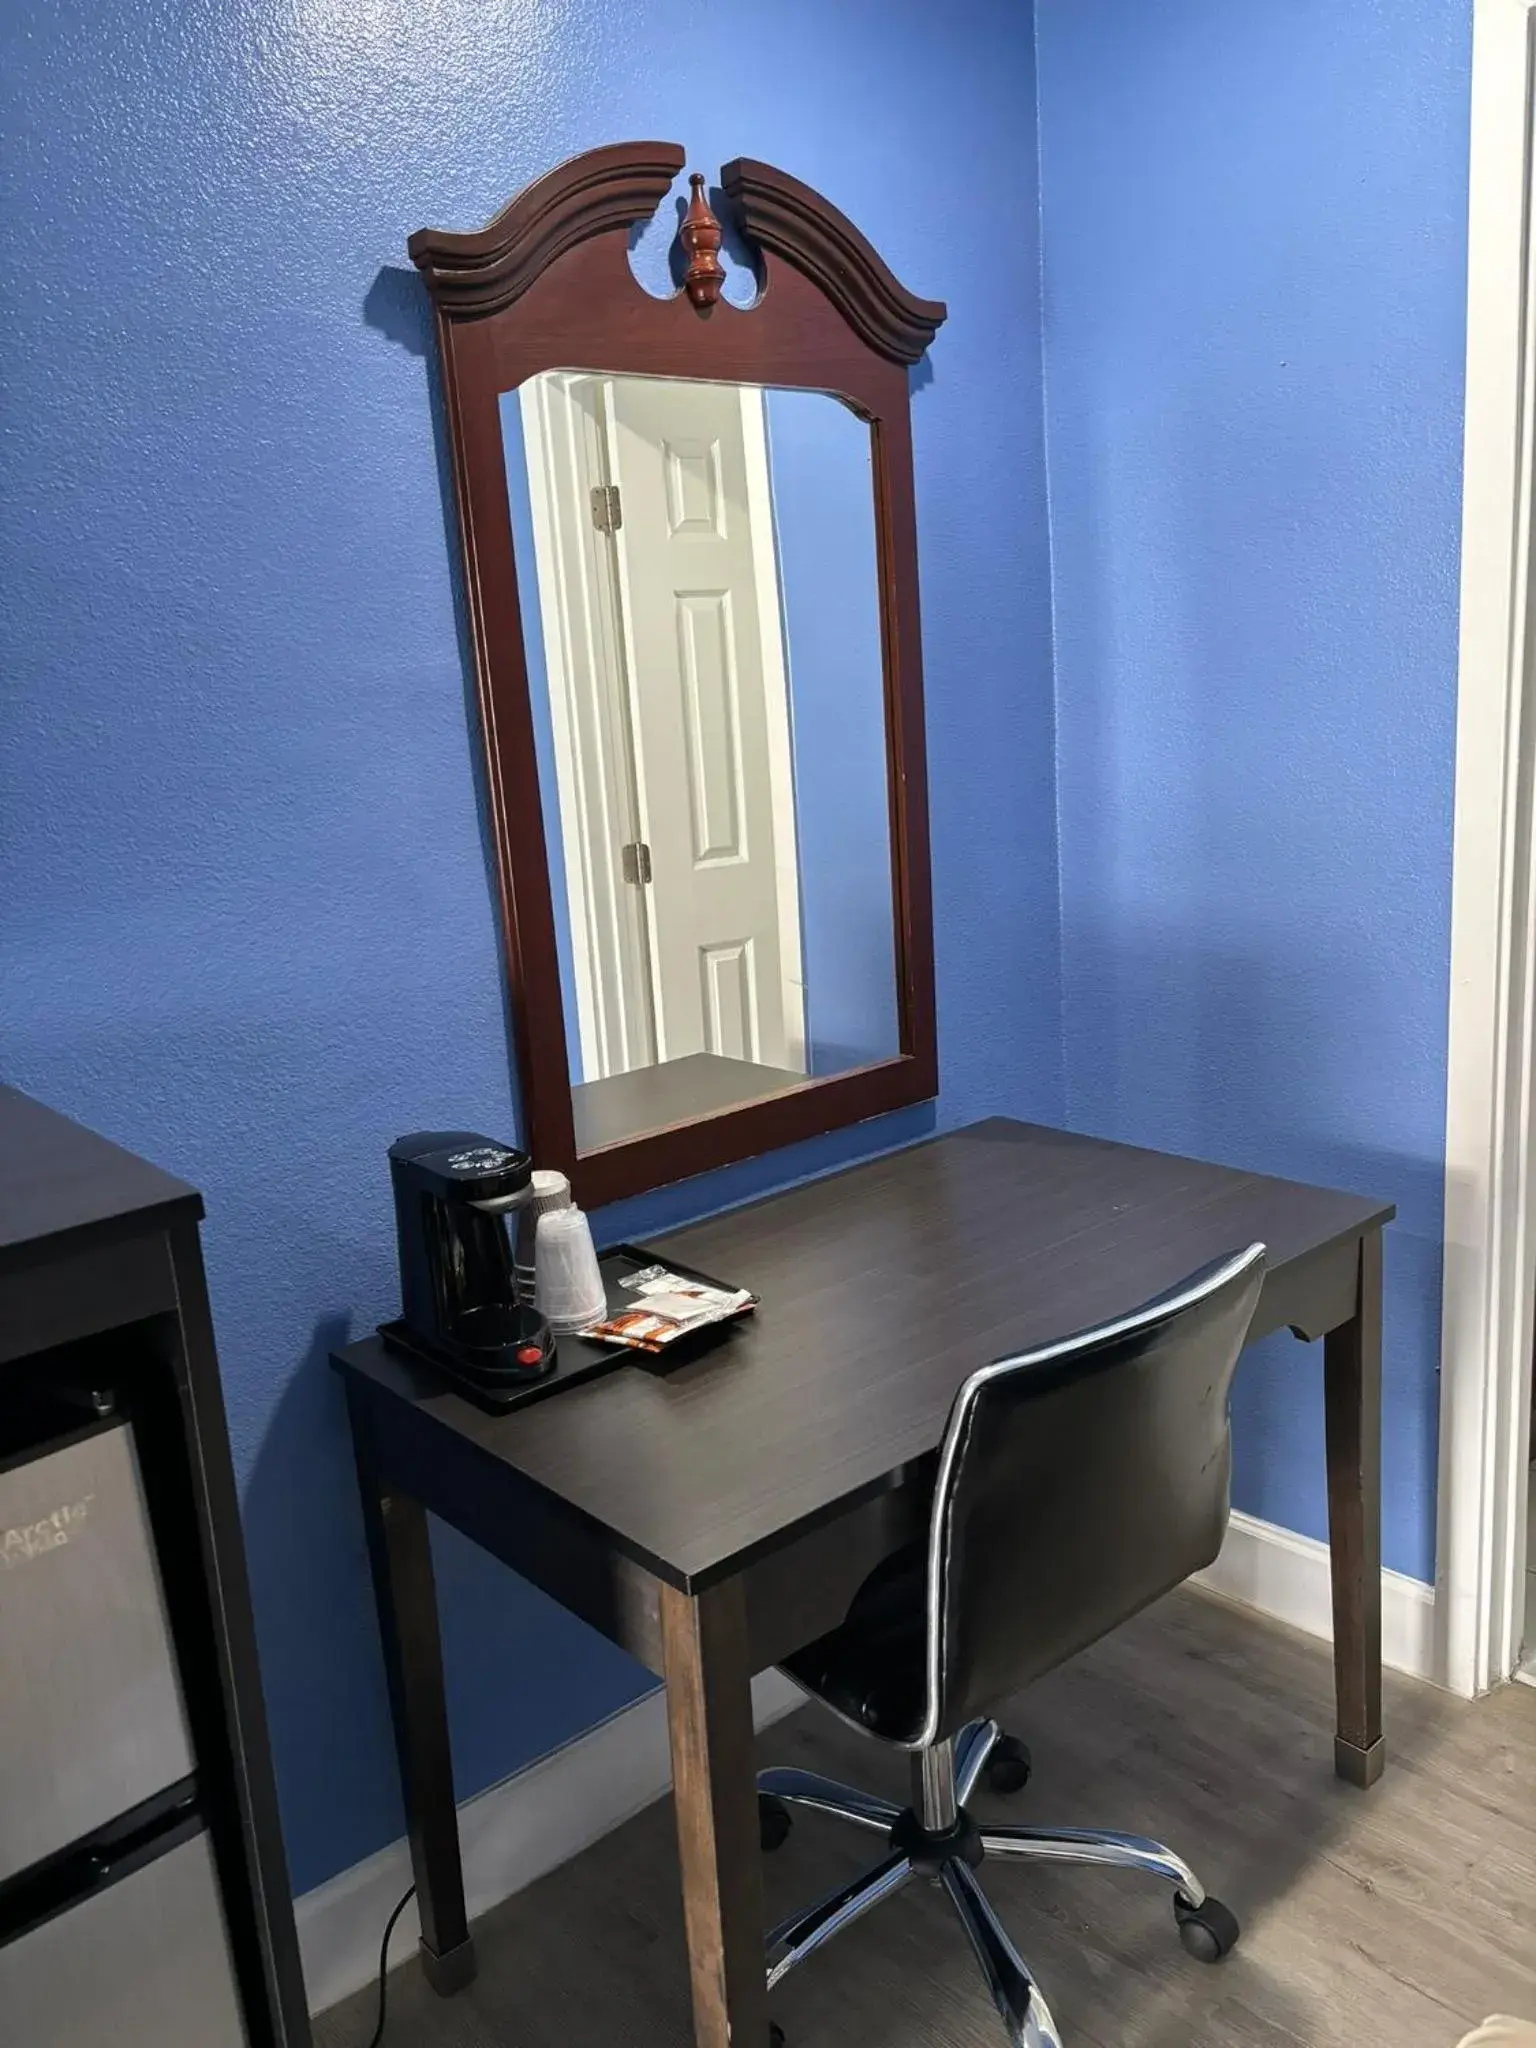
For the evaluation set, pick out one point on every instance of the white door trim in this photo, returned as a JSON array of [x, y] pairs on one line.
[[594, 773], [1490, 1245]]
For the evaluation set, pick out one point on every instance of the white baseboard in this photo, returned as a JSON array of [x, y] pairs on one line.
[[1286, 1576], [516, 1831], [511, 1834]]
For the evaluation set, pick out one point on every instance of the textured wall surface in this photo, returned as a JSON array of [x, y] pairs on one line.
[[1254, 310], [247, 917]]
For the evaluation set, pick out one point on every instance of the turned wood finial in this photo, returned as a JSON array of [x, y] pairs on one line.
[[700, 235]]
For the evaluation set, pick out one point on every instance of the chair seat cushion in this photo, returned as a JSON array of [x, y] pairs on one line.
[[871, 1667]]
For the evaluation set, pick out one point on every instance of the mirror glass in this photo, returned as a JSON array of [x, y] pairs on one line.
[[700, 594]]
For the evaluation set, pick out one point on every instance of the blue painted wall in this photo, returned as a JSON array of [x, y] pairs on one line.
[[247, 920], [1254, 306]]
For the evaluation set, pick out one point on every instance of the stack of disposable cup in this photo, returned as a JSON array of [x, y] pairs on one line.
[[546, 1190], [569, 1290]]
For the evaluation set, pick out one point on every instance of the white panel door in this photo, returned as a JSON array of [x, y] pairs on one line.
[[710, 718]]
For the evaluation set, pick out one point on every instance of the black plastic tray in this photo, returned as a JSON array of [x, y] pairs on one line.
[[577, 1359]]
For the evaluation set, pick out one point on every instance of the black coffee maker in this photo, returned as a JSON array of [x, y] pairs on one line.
[[453, 1192]]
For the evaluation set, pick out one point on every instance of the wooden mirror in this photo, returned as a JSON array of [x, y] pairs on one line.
[[690, 554]]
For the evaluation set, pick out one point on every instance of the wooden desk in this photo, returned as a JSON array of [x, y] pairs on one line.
[[717, 1518]]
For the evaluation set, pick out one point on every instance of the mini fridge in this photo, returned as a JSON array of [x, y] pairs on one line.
[[112, 1929]]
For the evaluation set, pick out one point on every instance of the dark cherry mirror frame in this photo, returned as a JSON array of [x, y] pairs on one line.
[[548, 285]]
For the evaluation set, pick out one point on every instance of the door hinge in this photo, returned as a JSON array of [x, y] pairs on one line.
[[607, 511], [636, 858]]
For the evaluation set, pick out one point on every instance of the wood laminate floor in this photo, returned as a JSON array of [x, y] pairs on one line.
[[1395, 1918]]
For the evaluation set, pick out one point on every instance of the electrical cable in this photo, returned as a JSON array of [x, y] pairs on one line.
[[389, 1928]]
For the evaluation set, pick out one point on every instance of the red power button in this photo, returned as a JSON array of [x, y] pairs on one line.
[[530, 1354]]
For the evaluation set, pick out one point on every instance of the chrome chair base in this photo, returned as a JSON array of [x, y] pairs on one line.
[[936, 1838]]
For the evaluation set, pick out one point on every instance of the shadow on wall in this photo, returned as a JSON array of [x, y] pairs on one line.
[[1251, 1055], [398, 306]]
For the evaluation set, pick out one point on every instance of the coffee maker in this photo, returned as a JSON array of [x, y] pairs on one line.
[[453, 1192]]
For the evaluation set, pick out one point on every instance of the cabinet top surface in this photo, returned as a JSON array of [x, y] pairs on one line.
[[57, 1177]]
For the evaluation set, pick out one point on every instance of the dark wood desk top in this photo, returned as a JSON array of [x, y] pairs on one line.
[[882, 1287], [57, 1178]]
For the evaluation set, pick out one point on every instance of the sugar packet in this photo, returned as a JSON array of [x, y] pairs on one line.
[[667, 1306]]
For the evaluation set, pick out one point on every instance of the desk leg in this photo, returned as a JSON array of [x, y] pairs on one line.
[[1352, 1397], [400, 1555], [714, 1781]]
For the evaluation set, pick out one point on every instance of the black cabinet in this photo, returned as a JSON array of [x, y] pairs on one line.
[[136, 1786]]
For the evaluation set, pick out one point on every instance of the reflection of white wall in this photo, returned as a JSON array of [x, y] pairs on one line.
[[590, 668], [538, 690], [823, 496]]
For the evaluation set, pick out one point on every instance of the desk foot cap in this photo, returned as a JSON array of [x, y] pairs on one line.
[[450, 1971], [1358, 1766]]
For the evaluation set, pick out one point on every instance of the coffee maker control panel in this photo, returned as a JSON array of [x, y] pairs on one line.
[[460, 1166], [483, 1159]]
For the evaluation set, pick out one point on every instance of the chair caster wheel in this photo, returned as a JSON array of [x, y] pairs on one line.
[[1208, 1932], [774, 1821], [1009, 1766]]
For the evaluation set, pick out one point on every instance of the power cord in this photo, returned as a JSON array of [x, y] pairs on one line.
[[389, 1928]]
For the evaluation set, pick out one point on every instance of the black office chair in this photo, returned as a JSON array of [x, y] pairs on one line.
[[1076, 1483]]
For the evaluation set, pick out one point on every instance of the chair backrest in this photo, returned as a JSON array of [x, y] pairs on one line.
[[1078, 1482]]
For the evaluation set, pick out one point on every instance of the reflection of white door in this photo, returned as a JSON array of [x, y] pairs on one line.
[[711, 717], [697, 707]]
